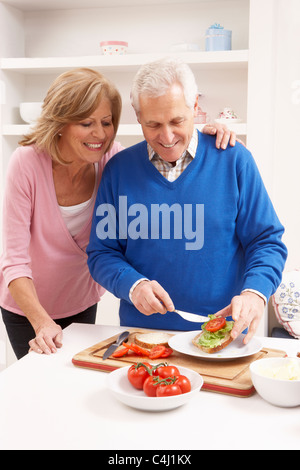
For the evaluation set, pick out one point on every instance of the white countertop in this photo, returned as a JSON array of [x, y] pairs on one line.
[[48, 403]]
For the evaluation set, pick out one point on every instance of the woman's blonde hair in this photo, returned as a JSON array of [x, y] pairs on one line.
[[72, 97]]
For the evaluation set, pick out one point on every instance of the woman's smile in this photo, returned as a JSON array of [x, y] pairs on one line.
[[93, 146]]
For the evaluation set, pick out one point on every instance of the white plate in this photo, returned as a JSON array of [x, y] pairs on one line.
[[122, 389], [183, 343]]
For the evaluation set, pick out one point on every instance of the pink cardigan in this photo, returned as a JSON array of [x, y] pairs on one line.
[[37, 243]]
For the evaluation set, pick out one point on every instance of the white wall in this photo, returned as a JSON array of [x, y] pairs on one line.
[[108, 310], [142, 26], [10, 20], [286, 169], [274, 109], [3, 361]]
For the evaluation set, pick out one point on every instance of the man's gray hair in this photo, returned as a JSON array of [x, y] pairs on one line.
[[155, 78]]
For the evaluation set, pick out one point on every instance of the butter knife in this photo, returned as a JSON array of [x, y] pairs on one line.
[[192, 316], [121, 338]]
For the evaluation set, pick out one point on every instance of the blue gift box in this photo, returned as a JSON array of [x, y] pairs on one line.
[[217, 38]]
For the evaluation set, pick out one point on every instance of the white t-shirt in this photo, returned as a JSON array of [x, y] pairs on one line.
[[75, 217]]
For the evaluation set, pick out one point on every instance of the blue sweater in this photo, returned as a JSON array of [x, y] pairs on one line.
[[204, 237]]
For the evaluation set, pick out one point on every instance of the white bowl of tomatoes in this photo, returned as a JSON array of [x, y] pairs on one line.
[[154, 388]]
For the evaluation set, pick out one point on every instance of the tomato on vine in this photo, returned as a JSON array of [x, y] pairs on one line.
[[138, 373], [165, 370]]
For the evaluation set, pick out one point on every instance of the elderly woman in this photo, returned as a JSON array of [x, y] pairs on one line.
[[51, 185]]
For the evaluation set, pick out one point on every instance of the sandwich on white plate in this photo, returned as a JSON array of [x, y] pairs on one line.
[[215, 335]]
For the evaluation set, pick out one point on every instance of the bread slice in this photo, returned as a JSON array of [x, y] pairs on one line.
[[225, 342], [151, 339]]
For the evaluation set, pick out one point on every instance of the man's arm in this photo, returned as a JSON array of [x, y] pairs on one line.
[[260, 232], [150, 297], [247, 311]]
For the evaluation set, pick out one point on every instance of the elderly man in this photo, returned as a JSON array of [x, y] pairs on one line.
[[179, 223]]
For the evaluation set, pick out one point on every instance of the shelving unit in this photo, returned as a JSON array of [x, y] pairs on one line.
[[34, 53], [203, 61]]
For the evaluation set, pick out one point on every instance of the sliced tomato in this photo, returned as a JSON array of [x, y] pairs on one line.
[[167, 353], [215, 324], [120, 352], [157, 351]]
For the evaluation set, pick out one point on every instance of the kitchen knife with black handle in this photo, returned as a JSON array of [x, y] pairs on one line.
[[121, 338]]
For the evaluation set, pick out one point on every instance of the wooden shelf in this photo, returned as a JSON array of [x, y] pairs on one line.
[[124, 129], [216, 59], [38, 5]]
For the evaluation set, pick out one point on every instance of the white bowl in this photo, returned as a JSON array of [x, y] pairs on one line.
[[30, 111], [114, 47], [122, 389], [279, 392]]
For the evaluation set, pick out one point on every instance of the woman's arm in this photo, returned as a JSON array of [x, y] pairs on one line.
[[224, 136], [48, 334], [16, 266]]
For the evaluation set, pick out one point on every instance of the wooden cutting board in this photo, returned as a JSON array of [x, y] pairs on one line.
[[231, 377]]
